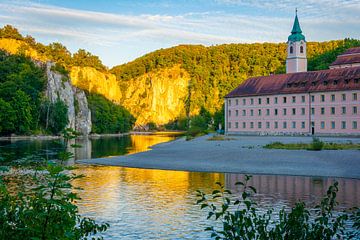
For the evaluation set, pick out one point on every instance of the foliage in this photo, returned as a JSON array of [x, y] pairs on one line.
[[315, 145], [83, 58], [240, 219], [21, 87], [46, 209], [60, 69], [108, 117], [54, 116], [9, 31]]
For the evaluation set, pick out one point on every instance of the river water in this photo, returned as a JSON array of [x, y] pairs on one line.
[[158, 204]]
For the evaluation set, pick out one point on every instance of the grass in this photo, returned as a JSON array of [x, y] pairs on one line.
[[219, 138], [315, 145]]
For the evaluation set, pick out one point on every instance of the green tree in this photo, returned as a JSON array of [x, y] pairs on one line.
[[84, 58], [9, 31], [7, 117], [54, 116], [22, 103]]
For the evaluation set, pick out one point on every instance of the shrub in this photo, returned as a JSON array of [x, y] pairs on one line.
[[316, 145], [240, 219]]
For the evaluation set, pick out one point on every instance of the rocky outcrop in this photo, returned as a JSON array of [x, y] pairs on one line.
[[59, 87], [95, 81]]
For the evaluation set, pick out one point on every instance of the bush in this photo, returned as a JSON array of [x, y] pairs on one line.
[[316, 145], [239, 218]]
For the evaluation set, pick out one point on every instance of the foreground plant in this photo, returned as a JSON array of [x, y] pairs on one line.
[[239, 218], [45, 209]]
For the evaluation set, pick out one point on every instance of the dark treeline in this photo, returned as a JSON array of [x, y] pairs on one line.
[[23, 106]]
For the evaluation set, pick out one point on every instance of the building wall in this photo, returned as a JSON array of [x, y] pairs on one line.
[[322, 111]]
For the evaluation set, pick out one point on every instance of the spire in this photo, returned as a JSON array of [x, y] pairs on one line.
[[296, 33]]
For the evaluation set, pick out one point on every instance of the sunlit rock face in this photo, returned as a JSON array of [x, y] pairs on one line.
[[58, 87], [92, 80], [158, 96]]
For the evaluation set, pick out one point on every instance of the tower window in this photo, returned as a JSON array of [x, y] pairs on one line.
[[301, 49], [291, 49]]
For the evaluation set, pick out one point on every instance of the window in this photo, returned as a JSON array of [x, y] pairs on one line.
[[284, 111], [276, 125], [294, 99], [267, 100], [325, 83], [322, 111], [291, 49], [333, 97], [237, 101], [343, 97], [267, 124], [354, 124], [229, 113], [335, 82], [322, 124], [284, 99], [354, 110], [267, 112], [251, 101], [293, 124], [312, 111], [343, 125], [229, 124], [244, 101], [323, 98], [301, 49], [236, 112], [312, 98], [259, 125], [332, 125], [303, 125], [236, 125], [333, 110], [354, 96], [259, 112], [302, 98], [229, 102], [251, 124], [284, 125], [275, 112], [244, 112], [302, 111], [343, 110], [251, 112], [259, 101], [276, 100], [294, 111], [244, 124]]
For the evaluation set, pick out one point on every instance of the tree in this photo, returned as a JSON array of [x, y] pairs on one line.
[[7, 117], [54, 116], [9, 31], [84, 58], [22, 103]]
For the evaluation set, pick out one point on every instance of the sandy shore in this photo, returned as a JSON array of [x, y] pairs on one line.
[[243, 154]]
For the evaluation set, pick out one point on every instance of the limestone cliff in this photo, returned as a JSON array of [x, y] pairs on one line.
[[95, 81], [59, 87], [14, 46], [157, 96]]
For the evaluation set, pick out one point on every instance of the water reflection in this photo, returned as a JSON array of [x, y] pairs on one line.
[[157, 204], [91, 147]]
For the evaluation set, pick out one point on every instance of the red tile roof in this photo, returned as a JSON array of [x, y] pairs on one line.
[[304, 82], [350, 56]]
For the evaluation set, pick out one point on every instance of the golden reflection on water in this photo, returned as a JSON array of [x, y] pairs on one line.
[[141, 143]]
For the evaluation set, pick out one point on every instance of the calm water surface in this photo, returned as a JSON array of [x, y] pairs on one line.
[[158, 204]]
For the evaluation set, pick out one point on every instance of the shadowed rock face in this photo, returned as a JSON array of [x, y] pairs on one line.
[[59, 87]]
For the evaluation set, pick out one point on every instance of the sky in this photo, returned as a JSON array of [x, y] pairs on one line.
[[119, 31]]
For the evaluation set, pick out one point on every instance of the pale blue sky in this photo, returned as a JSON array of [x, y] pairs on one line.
[[121, 30]]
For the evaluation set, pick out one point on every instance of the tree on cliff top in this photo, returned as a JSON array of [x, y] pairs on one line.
[[84, 58]]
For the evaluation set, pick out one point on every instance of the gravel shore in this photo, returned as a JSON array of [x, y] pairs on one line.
[[243, 154]]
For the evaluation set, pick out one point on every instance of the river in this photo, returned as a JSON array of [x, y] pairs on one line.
[[158, 204]]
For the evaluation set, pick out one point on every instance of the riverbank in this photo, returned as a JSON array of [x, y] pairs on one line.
[[243, 154]]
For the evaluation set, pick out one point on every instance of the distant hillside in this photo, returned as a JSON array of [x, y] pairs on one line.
[[168, 84]]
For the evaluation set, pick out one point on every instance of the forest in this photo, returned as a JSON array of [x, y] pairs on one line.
[[214, 71]]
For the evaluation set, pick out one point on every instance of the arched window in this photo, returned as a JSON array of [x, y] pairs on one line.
[[301, 49], [291, 49]]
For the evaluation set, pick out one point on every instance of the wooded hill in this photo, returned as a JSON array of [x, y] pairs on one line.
[[169, 84]]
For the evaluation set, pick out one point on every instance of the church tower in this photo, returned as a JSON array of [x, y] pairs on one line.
[[296, 60]]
